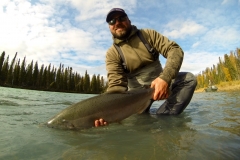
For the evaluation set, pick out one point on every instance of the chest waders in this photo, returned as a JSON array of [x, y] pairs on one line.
[[144, 76]]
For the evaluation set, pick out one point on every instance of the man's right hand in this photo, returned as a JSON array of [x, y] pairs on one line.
[[100, 122]]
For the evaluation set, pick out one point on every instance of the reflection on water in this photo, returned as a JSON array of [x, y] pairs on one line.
[[209, 128]]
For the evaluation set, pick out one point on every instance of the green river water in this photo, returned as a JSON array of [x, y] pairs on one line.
[[209, 128]]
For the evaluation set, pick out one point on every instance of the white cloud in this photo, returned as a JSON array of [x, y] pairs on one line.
[[196, 62], [181, 29]]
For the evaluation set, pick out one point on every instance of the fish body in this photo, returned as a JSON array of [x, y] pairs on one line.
[[112, 107]]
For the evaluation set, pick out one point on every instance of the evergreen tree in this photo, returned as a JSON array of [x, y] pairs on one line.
[[16, 73], [40, 77], [22, 73], [10, 71], [29, 75], [48, 76], [77, 82], [99, 88], [58, 77], [70, 80], [44, 78], [53, 78], [35, 75], [86, 85], [1, 62], [81, 85], [94, 84], [4, 72], [103, 86], [65, 80]]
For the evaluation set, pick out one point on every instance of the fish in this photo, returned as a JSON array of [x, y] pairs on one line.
[[112, 107]]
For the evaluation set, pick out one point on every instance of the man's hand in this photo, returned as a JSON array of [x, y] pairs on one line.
[[161, 89], [100, 122]]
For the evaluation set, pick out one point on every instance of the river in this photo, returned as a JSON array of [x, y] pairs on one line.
[[209, 128]]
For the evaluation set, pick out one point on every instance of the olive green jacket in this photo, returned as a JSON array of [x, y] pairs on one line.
[[137, 56]]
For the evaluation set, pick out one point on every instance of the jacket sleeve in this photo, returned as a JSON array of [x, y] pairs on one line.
[[117, 78], [170, 50]]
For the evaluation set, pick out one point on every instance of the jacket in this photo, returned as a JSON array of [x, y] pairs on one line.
[[137, 56]]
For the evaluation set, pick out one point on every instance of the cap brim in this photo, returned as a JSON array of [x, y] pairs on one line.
[[109, 16]]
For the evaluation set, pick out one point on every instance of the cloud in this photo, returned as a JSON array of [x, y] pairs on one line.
[[183, 28], [219, 39], [196, 62]]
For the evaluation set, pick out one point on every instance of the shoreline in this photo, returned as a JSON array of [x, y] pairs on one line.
[[224, 87]]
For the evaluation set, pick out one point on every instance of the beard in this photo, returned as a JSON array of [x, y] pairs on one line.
[[123, 33]]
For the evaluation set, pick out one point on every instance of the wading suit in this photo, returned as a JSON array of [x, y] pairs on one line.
[[142, 69]]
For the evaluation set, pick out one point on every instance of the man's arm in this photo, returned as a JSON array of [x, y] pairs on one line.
[[170, 50], [117, 79], [174, 55]]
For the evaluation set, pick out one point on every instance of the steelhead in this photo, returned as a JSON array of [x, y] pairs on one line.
[[112, 107]]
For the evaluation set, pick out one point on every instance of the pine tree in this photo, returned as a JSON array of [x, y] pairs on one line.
[[103, 86], [16, 73], [48, 76], [81, 85], [10, 71], [22, 73], [1, 62], [58, 77], [65, 80], [40, 77], [29, 75], [35, 75], [4, 72], [86, 85], [44, 78], [52, 79], [93, 84]]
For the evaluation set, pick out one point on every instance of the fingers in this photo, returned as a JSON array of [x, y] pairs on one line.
[[161, 89], [160, 96], [100, 122]]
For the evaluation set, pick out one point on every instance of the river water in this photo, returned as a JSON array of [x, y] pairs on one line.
[[209, 128]]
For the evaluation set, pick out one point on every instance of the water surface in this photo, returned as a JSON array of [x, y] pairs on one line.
[[209, 128]]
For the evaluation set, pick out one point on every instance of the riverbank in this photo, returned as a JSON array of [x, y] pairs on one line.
[[225, 86]]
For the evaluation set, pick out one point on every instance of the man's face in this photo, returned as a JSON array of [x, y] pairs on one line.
[[120, 29]]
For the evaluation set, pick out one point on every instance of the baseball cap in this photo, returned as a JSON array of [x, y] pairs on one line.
[[110, 13]]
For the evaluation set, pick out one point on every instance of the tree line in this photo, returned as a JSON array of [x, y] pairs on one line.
[[227, 69], [19, 74]]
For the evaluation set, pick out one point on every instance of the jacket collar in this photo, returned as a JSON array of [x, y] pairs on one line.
[[133, 32]]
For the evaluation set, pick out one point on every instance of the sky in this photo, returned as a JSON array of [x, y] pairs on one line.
[[75, 32]]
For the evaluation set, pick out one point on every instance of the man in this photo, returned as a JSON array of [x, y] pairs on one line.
[[142, 68]]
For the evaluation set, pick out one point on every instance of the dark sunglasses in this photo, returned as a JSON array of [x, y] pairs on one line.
[[120, 19]]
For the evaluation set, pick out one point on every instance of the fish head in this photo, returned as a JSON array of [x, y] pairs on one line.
[[60, 122]]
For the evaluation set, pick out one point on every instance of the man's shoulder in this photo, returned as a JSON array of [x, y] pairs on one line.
[[147, 30], [112, 51]]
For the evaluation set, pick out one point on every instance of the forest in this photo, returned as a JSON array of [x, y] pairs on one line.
[[19, 74], [226, 70]]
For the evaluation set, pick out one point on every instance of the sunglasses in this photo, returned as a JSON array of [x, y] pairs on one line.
[[120, 19]]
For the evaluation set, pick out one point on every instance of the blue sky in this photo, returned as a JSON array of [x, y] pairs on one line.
[[74, 32]]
